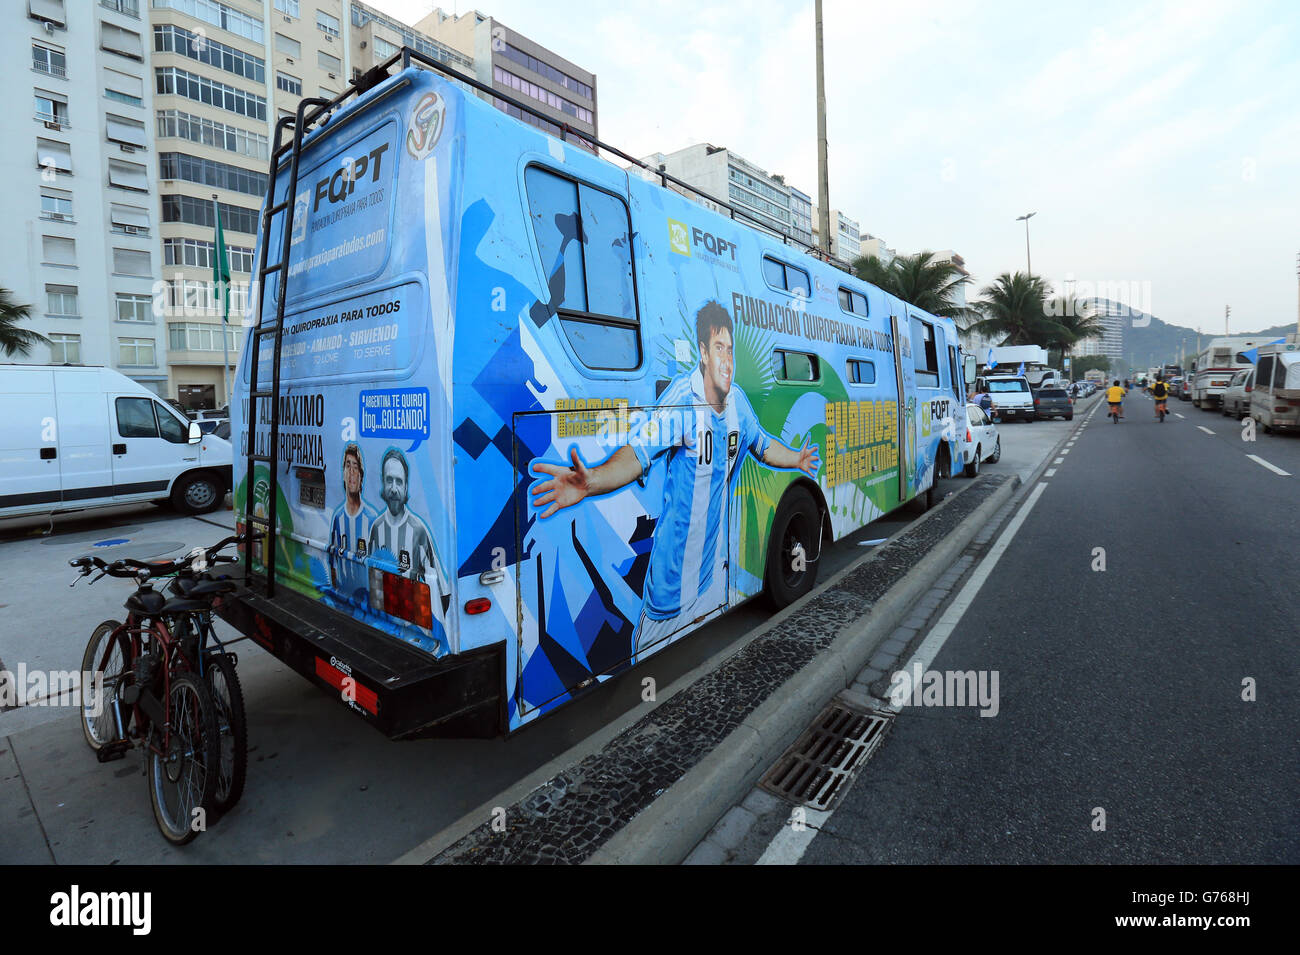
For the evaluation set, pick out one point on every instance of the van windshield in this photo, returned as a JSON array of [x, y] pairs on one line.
[[1014, 384]]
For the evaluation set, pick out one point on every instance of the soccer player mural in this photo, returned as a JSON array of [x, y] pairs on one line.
[[398, 536], [699, 428], [350, 532]]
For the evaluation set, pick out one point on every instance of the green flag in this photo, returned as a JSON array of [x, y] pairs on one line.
[[221, 269]]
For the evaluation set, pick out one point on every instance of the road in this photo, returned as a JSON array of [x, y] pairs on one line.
[[1120, 689]]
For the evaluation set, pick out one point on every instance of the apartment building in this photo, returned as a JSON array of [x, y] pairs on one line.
[[81, 245], [520, 68], [845, 237]]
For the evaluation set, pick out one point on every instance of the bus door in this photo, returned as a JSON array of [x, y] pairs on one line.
[[896, 329]]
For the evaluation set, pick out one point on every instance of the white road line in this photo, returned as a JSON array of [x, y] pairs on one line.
[[1065, 450], [1050, 472], [1205, 429], [1059, 461], [1272, 467], [789, 845], [1177, 415]]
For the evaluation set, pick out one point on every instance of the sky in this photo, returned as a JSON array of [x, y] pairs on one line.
[[1158, 143]]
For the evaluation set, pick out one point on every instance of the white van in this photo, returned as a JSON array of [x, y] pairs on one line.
[[1275, 399], [74, 437], [1012, 397]]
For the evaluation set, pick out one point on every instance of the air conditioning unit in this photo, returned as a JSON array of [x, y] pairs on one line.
[[55, 215], [288, 19], [125, 148], [289, 60], [52, 124], [328, 38], [49, 27], [332, 76], [363, 44]]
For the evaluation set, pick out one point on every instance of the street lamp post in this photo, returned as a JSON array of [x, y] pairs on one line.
[[1025, 219]]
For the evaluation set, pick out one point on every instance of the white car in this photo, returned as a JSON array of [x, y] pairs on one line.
[[980, 442]]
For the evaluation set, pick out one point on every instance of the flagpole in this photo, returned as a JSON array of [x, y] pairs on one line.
[[225, 298]]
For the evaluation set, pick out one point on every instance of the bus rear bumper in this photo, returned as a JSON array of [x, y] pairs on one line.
[[402, 691]]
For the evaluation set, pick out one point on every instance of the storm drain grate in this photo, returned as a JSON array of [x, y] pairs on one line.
[[814, 771]]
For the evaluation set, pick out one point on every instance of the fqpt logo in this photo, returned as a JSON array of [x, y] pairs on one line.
[[427, 119], [679, 237], [300, 204]]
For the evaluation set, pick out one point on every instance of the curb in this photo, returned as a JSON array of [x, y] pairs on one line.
[[670, 827]]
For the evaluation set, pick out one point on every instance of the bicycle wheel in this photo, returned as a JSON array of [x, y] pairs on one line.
[[228, 698], [112, 658], [183, 779]]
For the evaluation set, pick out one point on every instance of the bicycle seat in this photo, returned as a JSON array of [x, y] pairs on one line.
[[145, 601], [185, 605], [206, 588]]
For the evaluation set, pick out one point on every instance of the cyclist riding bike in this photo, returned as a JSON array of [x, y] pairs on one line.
[[1160, 392], [1115, 395]]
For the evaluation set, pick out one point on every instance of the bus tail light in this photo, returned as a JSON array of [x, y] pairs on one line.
[[400, 597], [478, 605]]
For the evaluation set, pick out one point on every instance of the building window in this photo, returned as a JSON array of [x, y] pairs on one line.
[[51, 108], [597, 308], [290, 84], [288, 46], [506, 78], [57, 250], [287, 6], [53, 155], [208, 172], [176, 82], [384, 49], [130, 7], [129, 220], [126, 132], [327, 24], [128, 175], [546, 70], [330, 64], [218, 15], [119, 97], [134, 308], [132, 262], [48, 60], [122, 42], [56, 204], [198, 254], [173, 39], [135, 351], [61, 301], [200, 336], [198, 129], [65, 349], [197, 211]]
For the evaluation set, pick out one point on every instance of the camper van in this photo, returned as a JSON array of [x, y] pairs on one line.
[[74, 437], [1215, 366], [1275, 400]]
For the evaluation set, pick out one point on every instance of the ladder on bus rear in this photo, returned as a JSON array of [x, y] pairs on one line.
[[262, 531]]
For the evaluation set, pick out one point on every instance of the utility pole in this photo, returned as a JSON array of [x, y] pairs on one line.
[[823, 177], [1227, 310], [1297, 310], [1025, 218]]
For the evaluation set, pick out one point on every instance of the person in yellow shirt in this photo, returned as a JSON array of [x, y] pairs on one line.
[[1160, 392], [1115, 395]]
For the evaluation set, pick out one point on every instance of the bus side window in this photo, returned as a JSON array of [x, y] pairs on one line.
[[861, 372], [924, 353], [585, 239], [795, 366], [785, 277]]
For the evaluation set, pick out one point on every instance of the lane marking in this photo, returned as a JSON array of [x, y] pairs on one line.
[[1065, 450], [788, 846], [1050, 472], [1177, 415], [1205, 429], [1059, 461], [1272, 467]]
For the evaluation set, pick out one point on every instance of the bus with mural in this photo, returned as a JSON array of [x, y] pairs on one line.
[[539, 415]]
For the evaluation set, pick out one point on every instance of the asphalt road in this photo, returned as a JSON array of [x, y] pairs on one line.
[[1119, 689]]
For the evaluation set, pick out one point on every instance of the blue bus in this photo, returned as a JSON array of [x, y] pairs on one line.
[[538, 416]]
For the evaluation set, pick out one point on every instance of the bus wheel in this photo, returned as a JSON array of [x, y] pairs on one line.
[[793, 548]]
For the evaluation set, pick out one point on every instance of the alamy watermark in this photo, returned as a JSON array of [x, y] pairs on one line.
[[917, 687], [24, 687]]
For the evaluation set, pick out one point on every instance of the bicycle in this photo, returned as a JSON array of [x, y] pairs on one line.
[[152, 692], [1114, 413]]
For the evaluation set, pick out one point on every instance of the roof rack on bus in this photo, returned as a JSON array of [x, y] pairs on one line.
[[407, 56]]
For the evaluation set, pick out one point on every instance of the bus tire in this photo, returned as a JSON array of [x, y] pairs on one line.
[[797, 522]]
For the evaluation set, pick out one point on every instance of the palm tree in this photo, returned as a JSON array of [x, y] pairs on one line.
[[920, 281], [15, 340], [1013, 311], [871, 269]]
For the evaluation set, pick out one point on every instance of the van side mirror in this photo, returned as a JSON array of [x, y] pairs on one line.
[[968, 368], [196, 433]]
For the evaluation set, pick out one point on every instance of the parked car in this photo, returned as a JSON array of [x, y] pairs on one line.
[[1275, 402], [109, 441], [1236, 398], [1053, 403], [980, 442]]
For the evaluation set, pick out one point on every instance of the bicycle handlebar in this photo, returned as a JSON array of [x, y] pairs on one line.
[[129, 567]]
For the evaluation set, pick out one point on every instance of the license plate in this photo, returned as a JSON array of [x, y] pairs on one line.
[[313, 495]]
